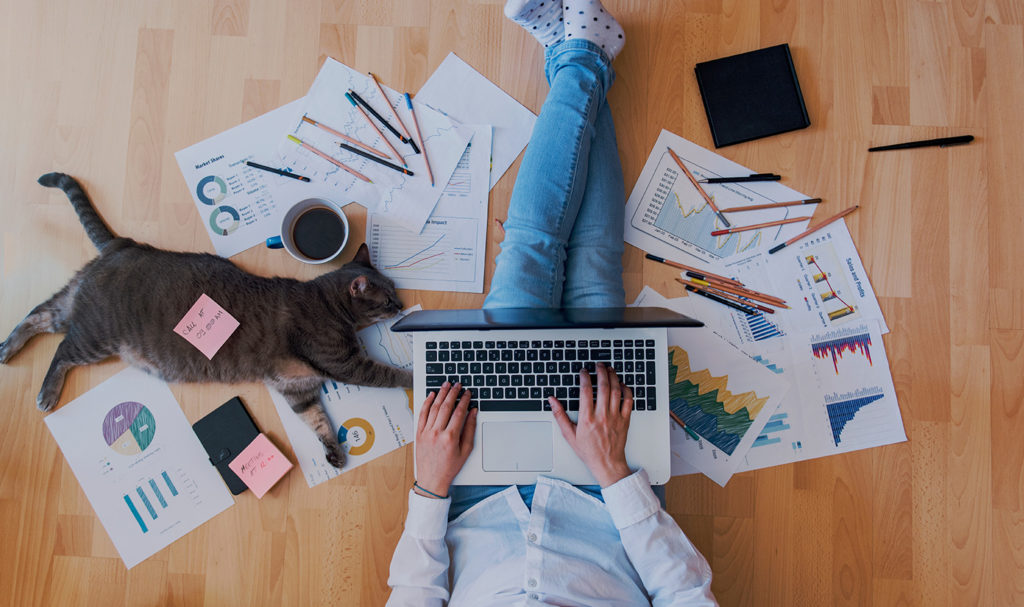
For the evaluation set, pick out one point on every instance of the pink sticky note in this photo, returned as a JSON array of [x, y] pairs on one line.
[[260, 465], [207, 326]]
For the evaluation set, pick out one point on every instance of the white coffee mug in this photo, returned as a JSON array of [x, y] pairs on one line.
[[314, 230]]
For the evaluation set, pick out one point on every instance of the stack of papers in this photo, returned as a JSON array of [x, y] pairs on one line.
[[832, 390]]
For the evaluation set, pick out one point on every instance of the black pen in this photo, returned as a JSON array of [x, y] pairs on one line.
[[355, 150], [753, 177], [722, 300], [386, 124], [942, 142], [277, 171]]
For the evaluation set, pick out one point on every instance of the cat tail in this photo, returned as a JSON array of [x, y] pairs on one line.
[[95, 229]]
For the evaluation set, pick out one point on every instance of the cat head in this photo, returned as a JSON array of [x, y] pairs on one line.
[[372, 295]]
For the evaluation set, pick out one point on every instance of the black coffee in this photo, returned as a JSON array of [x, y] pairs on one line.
[[318, 233]]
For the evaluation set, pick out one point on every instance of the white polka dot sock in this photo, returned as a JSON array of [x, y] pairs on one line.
[[542, 18], [588, 20]]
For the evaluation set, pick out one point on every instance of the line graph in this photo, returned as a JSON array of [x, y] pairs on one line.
[[445, 249]]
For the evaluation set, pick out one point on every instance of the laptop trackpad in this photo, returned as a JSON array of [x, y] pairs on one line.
[[517, 446]]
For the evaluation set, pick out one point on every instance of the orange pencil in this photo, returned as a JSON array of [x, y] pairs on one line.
[[704, 274], [344, 136], [374, 127], [813, 229], [689, 175], [329, 159], [758, 226], [771, 300], [405, 131]]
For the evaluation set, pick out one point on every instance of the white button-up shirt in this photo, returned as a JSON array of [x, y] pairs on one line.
[[568, 549]]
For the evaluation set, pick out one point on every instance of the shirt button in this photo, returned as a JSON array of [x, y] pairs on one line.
[[532, 583], [532, 537], [533, 596]]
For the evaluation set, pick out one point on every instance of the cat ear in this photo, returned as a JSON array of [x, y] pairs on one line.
[[363, 255], [358, 286]]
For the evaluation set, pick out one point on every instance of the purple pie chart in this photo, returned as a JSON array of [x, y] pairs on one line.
[[129, 428]]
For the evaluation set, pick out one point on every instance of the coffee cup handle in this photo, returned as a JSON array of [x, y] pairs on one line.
[[274, 242]]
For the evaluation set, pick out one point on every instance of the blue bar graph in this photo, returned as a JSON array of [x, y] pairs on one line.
[[156, 491], [145, 502], [135, 513], [170, 485], [776, 424], [760, 328]]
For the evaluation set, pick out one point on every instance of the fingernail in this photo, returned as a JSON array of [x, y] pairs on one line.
[[445, 385]]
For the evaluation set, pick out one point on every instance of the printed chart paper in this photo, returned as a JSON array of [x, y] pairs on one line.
[[370, 422], [241, 206], [449, 254], [140, 464], [404, 200], [463, 94], [666, 215], [724, 397]]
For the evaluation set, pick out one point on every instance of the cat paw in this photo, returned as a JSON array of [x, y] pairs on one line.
[[335, 455], [46, 402], [405, 379], [5, 353]]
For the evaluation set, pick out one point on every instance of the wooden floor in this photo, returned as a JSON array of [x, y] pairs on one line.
[[108, 91]]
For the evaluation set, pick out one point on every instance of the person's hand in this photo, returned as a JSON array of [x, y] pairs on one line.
[[444, 438], [599, 436]]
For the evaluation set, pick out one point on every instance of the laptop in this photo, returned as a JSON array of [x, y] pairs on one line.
[[511, 359]]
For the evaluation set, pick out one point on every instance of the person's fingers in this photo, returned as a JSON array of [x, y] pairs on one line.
[[562, 419], [442, 392], [444, 413], [614, 392], [601, 403], [459, 415], [468, 432], [586, 395], [627, 400], [421, 423]]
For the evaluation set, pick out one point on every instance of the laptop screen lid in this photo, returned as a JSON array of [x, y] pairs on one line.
[[542, 318]]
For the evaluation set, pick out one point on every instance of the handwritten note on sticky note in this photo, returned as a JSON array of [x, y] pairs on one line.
[[207, 326], [260, 465]]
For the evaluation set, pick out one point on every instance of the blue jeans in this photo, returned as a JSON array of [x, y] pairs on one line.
[[563, 236]]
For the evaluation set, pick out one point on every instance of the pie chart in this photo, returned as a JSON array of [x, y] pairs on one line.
[[129, 428]]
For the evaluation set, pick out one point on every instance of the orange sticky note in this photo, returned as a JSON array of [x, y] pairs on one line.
[[260, 465], [207, 326]]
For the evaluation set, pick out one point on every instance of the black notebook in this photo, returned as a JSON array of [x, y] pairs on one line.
[[224, 433], [751, 95]]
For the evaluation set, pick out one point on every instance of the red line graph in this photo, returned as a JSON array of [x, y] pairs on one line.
[[824, 275], [415, 262]]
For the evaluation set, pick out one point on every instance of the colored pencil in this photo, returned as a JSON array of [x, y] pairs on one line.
[[774, 205], [705, 275], [752, 177], [376, 114], [329, 159], [721, 300], [693, 180], [355, 150], [408, 138], [419, 135], [683, 425], [713, 289], [373, 126], [771, 300], [280, 172], [813, 229], [758, 226], [344, 137]]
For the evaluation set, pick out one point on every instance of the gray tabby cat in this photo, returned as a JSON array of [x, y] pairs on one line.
[[292, 335]]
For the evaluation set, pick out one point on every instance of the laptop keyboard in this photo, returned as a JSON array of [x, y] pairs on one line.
[[520, 375]]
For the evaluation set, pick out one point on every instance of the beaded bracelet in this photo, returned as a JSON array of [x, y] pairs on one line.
[[416, 485]]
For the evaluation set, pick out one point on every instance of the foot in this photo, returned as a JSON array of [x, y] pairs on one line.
[[588, 20], [335, 455], [542, 18]]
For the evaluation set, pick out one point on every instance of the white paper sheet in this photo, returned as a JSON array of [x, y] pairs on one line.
[[449, 254], [370, 422], [405, 200], [722, 395], [462, 93], [240, 206], [140, 464], [666, 216]]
